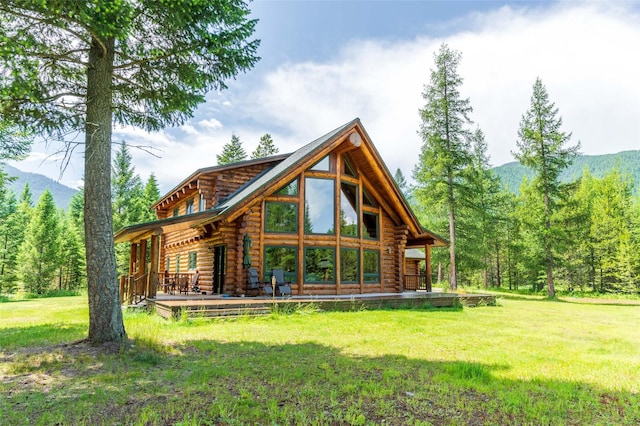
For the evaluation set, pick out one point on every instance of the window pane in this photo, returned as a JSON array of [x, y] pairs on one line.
[[349, 266], [371, 266], [177, 264], [281, 217], [348, 169], [367, 199], [193, 260], [201, 205], [189, 208], [322, 165], [289, 189], [370, 225], [280, 258], [319, 206], [176, 212], [349, 210], [319, 265]]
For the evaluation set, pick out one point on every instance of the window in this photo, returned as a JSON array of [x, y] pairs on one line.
[[348, 169], [370, 226], [371, 266], [176, 212], [167, 263], [284, 258], [349, 265], [201, 204], [289, 189], [348, 209], [319, 208], [322, 165], [367, 199], [177, 264], [319, 265], [281, 217], [193, 260], [189, 209]]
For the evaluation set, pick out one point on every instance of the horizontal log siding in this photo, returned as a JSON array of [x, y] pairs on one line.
[[388, 267]]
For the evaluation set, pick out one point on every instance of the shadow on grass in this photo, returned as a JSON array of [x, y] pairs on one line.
[[211, 382]]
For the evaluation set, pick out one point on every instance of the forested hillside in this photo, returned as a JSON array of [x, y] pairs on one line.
[[627, 162], [38, 184]]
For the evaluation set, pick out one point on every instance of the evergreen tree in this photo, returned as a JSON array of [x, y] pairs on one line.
[[445, 151], [232, 152], [481, 213], [81, 67], [542, 146], [265, 148], [10, 240], [150, 196], [39, 252], [400, 180], [126, 188], [72, 264]]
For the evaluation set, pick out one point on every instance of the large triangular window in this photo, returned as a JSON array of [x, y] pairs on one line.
[[367, 199], [348, 169]]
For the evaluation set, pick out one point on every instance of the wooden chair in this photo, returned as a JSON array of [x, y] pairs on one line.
[[194, 282], [284, 289], [183, 284]]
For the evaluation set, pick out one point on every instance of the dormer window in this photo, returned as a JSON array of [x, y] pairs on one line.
[[189, 209]]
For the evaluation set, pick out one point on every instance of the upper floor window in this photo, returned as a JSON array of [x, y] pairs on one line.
[[319, 209], [189, 208], [281, 217], [193, 260], [348, 169], [201, 205], [289, 189], [348, 209], [367, 199], [370, 226], [176, 212], [323, 165]]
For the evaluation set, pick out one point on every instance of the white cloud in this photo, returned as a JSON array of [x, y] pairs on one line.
[[584, 54]]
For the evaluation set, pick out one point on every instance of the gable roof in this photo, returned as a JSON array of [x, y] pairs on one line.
[[288, 166]]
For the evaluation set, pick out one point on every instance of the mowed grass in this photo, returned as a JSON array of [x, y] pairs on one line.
[[521, 362]]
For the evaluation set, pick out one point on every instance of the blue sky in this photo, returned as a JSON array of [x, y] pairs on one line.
[[327, 62]]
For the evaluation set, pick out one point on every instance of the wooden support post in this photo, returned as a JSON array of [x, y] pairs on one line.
[[154, 264], [427, 266], [133, 258]]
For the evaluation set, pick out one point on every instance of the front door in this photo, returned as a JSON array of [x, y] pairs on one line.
[[219, 268]]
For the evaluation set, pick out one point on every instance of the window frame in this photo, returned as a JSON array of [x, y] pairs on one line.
[[333, 260], [266, 217]]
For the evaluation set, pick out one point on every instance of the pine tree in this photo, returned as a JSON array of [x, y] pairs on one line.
[[232, 152], [126, 186], [39, 252], [445, 151], [72, 263], [400, 180], [542, 147], [82, 67], [150, 196], [265, 148], [9, 239]]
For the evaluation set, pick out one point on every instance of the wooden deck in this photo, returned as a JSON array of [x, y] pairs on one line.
[[196, 305]]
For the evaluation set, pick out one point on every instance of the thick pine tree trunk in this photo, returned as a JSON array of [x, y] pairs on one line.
[[105, 314]]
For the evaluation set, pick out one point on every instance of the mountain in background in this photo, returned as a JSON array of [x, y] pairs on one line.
[[38, 184], [628, 162]]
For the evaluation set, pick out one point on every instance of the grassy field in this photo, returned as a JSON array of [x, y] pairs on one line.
[[524, 361]]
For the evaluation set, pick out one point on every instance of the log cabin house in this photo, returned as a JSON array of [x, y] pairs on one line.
[[329, 214]]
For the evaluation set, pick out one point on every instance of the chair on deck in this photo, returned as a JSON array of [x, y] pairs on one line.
[[194, 282], [183, 284], [254, 281], [284, 289]]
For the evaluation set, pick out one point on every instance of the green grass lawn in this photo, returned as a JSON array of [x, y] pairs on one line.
[[521, 362]]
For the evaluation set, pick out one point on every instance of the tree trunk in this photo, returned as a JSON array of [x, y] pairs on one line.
[[105, 313]]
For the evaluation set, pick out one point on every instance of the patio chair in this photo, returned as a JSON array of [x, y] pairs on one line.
[[183, 284], [195, 287], [254, 281], [284, 289]]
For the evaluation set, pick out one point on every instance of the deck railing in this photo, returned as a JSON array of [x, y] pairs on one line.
[[414, 282]]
